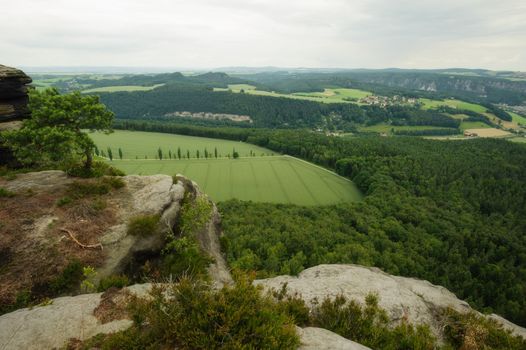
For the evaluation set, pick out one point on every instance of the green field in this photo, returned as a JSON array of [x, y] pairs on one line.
[[122, 88], [138, 144], [275, 179], [519, 119], [428, 104], [279, 179], [387, 128], [339, 95], [473, 125]]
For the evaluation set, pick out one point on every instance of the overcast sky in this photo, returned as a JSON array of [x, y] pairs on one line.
[[287, 33]]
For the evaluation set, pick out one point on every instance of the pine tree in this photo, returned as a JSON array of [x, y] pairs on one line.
[[160, 153], [206, 153], [110, 154], [215, 152], [187, 154], [120, 153], [170, 154]]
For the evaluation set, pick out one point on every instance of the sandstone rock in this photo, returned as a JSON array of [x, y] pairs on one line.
[[79, 317], [13, 94], [414, 300], [313, 338], [51, 326], [49, 180]]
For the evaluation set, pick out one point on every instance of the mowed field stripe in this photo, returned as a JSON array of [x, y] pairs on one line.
[[261, 179], [300, 179], [278, 179]]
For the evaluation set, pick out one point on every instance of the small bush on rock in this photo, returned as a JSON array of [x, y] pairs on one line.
[[143, 225], [192, 315]]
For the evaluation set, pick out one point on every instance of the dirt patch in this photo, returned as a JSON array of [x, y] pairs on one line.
[[112, 306], [34, 250], [489, 132]]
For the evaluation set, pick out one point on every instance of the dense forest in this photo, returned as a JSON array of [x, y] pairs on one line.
[[453, 213]]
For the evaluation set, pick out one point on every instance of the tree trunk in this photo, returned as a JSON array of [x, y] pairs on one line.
[[89, 159]]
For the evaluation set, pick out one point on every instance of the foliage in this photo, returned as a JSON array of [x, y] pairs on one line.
[[88, 273], [68, 280], [97, 170], [143, 225], [192, 315], [55, 131], [97, 187], [193, 215], [369, 325], [5, 193], [471, 331], [184, 257], [113, 281]]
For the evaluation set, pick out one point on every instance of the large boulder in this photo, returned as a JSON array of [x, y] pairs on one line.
[[13, 94], [313, 338], [413, 300]]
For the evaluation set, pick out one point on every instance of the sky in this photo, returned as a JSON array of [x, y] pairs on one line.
[[285, 33]]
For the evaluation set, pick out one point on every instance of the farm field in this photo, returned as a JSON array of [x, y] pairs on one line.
[[274, 179], [122, 88], [279, 179], [473, 125], [519, 119], [428, 104], [387, 128], [489, 132], [339, 95], [139, 144]]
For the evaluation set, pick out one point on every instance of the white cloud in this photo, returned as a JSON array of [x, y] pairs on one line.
[[308, 33]]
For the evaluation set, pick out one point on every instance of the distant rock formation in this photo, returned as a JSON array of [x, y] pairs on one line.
[[13, 94]]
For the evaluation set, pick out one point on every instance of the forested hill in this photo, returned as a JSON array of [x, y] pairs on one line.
[[470, 85], [265, 111]]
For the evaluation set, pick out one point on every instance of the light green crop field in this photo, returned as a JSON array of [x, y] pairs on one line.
[[519, 119], [387, 128], [275, 179], [339, 95], [122, 88], [473, 125], [279, 179], [428, 104], [138, 144]]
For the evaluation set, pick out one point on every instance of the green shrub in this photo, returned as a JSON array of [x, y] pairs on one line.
[[183, 256], [81, 189], [68, 280], [472, 331], [194, 215], [64, 201], [192, 315], [143, 225], [98, 169], [5, 193], [369, 325], [117, 281]]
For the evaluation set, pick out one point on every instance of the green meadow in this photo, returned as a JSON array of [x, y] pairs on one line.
[[119, 88], [339, 95], [145, 145], [274, 179]]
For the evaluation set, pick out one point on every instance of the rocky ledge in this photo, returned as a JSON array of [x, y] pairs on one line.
[[408, 299]]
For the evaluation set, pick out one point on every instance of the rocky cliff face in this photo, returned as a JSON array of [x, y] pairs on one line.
[[13, 94]]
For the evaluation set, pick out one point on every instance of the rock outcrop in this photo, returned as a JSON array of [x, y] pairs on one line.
[[35, 228], [13, 94], [416, 301], [81, 317]]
